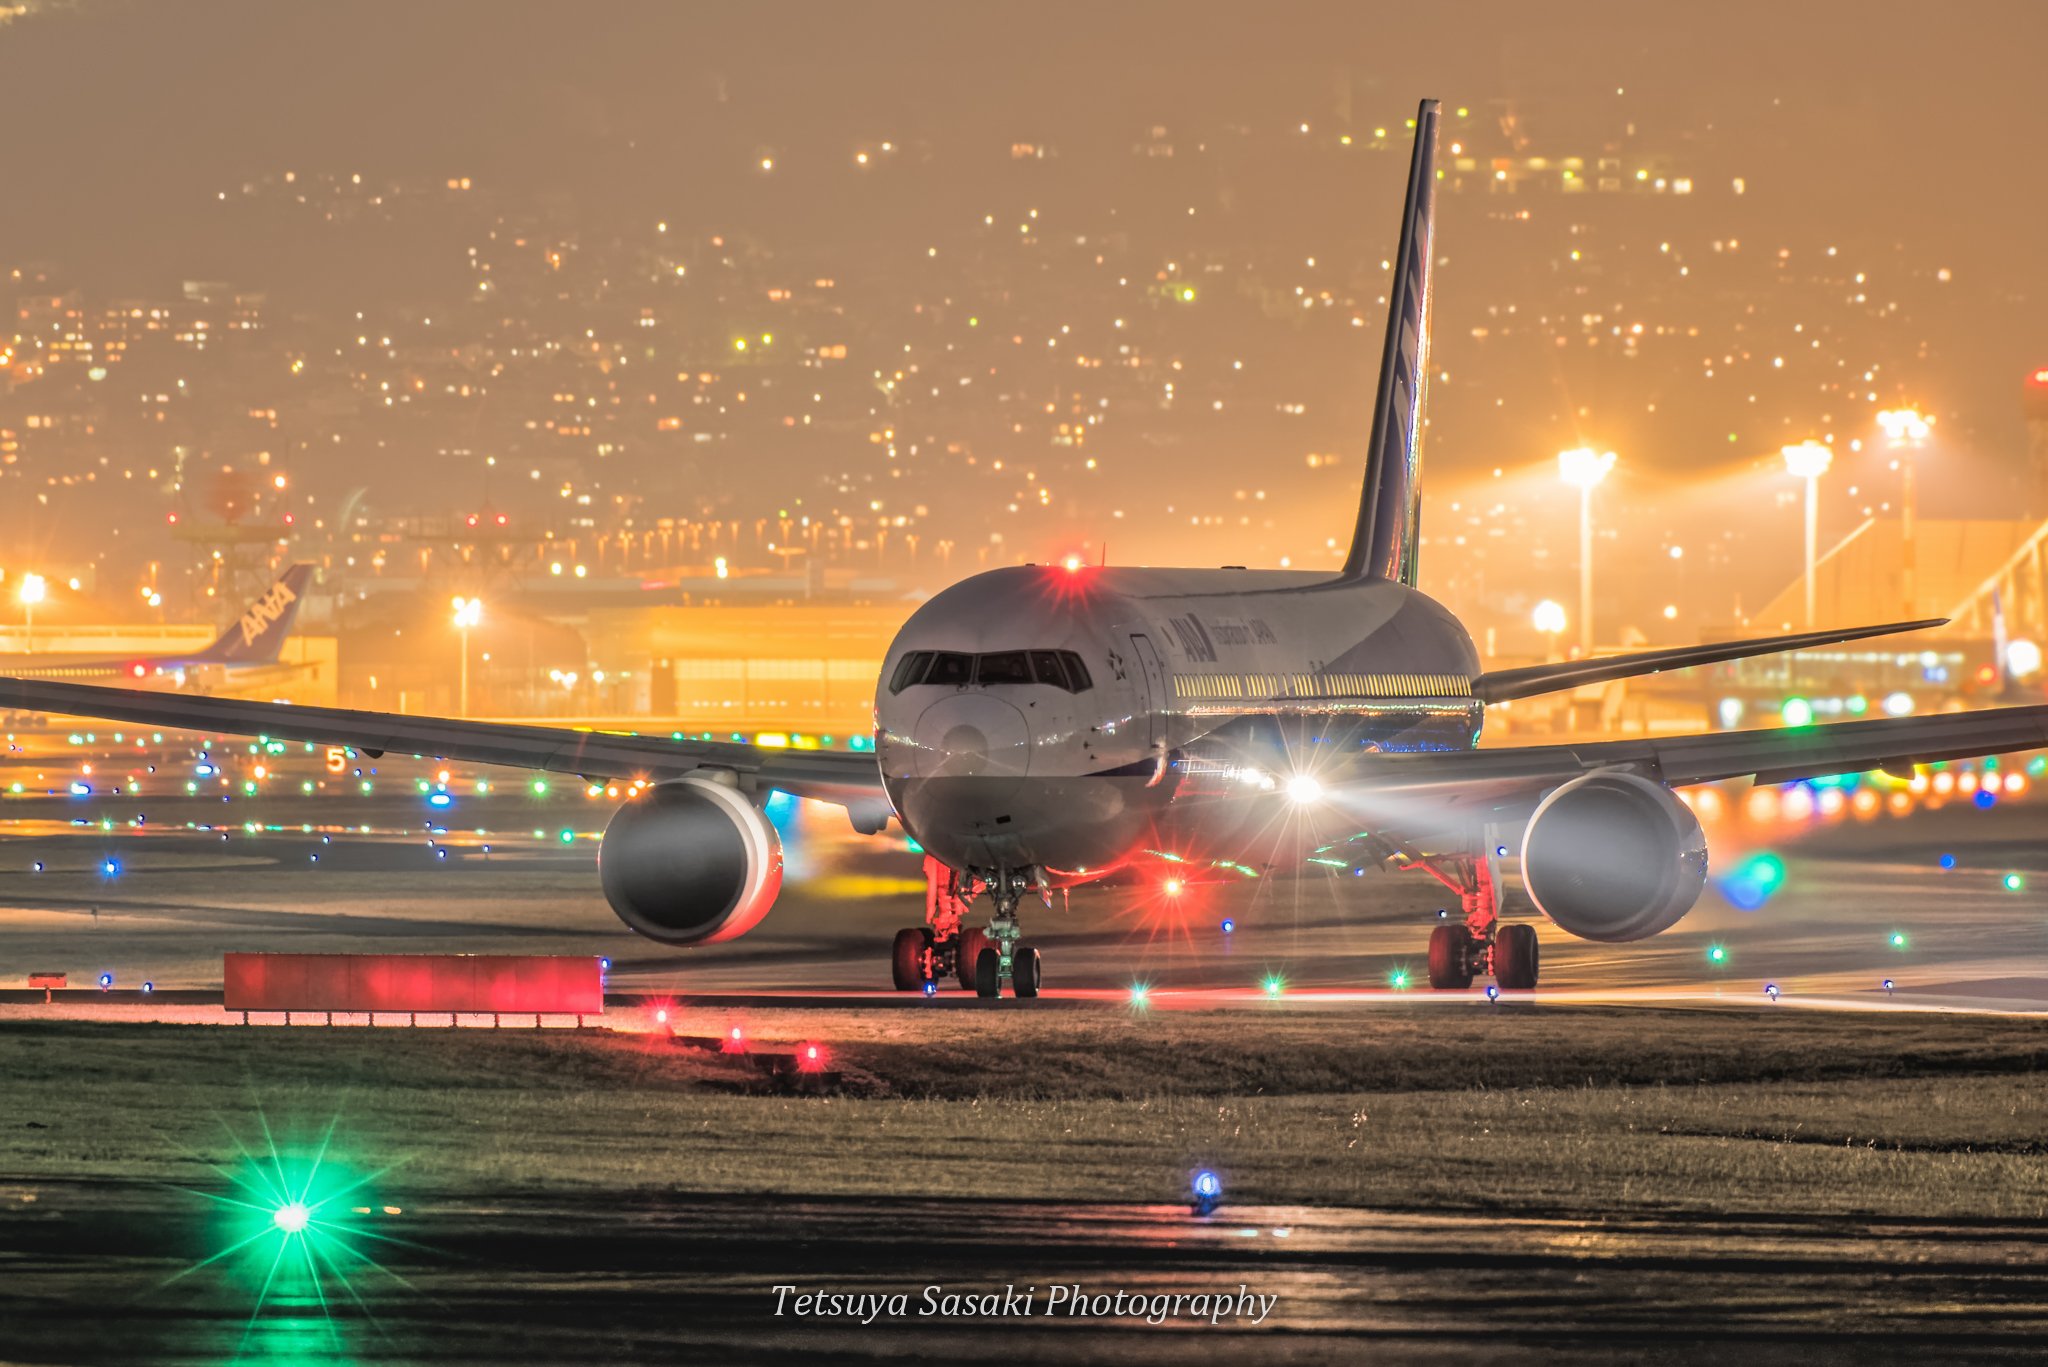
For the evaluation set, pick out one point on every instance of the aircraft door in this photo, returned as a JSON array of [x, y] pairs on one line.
[[1152, 687]]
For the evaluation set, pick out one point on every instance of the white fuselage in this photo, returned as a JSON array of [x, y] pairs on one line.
[[1199, 692]]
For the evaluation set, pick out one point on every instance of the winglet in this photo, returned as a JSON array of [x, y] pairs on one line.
[[258, 636], [1383, 546]]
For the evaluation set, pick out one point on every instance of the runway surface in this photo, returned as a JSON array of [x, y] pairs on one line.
[[154, 882], [693, 1279]]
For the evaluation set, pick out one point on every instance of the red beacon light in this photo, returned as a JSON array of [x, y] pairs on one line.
[[1073, 564]]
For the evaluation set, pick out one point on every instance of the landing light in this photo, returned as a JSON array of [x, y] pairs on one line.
[[1303, 789]]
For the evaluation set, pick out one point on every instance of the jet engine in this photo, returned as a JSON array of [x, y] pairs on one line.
[[1613, 857], [692, 862]]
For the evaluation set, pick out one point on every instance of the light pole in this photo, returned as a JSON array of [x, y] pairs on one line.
[[1809, 460], [1905, 429], [33, 590], [1549, 619], [468, 612], [1585, 467]]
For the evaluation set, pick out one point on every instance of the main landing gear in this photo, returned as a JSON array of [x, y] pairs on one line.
[[1482, 945], [945, 946]]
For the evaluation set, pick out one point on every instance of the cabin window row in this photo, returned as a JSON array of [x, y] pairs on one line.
[[1226, 687]]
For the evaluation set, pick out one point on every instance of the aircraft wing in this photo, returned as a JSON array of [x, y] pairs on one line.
[[1515, 775], [1501, 685], [848, 779]]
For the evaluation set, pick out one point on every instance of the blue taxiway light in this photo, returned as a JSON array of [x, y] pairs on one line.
[[106, 980], [1228, 925], [931, 989], [440, 800], [1948, 861], [1492, 992]]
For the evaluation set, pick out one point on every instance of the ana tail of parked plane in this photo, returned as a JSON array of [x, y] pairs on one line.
[[259, 634]]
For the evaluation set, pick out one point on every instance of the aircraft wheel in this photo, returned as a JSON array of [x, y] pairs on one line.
[[1449, 966], [988, 972], [1514, 957], [906, 958], [967, 949], [1024, 971]]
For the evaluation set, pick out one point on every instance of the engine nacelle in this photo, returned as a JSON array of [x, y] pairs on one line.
[[1613, 857], [691, 863]]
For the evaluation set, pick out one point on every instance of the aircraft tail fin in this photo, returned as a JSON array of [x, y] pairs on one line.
[[259, 635], [1389, 507]]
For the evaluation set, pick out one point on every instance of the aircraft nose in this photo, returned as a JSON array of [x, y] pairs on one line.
[[972, 735]]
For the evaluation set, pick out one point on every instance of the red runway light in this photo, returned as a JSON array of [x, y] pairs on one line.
[[1172, 887], [735, 1042], [810, 1059]]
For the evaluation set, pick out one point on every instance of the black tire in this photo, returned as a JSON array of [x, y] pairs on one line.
[[1449, 965], [1514, 957], [988, 972], [906, 958], [1024, 971], [966, 949]]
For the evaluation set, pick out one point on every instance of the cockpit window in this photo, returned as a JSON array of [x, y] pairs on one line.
[[1059, 668], [1004, 667], [910, 670], [949, 668]]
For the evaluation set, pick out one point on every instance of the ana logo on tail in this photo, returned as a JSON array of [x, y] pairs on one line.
[[265, 611]]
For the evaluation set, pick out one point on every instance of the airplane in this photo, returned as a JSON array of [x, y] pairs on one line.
[[1042, 727], [252, 642]]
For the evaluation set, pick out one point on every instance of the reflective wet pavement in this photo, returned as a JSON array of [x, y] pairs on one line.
[[106, 1273]]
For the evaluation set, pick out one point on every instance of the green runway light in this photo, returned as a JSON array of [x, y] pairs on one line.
[[2013, 882], [1717, 954], [1797, 712], [1141, 995], [292, 1217], [1398, 979], [568, 837], [1898, 939], [1275, 985]]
